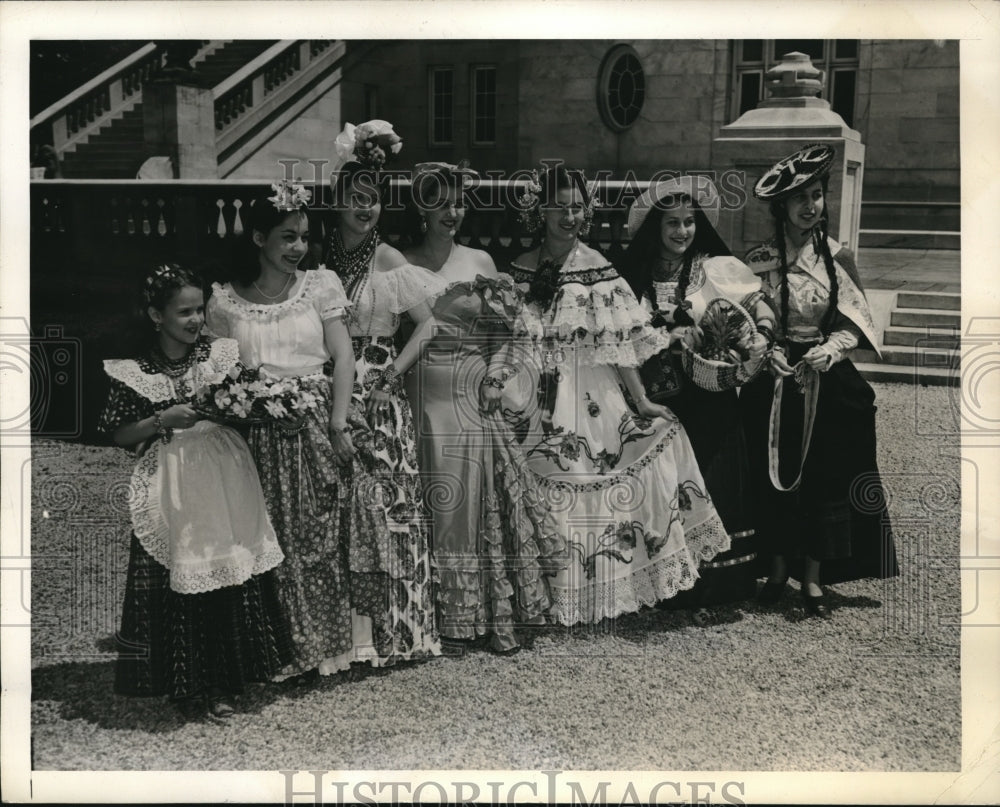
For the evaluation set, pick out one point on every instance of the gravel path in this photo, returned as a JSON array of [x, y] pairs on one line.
[[874, 689]]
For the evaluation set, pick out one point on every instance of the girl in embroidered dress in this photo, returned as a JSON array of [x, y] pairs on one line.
[[627, 491], [201, 615], [290, 323], [677, 264], [384, 519], [811, 430], [492, 540]]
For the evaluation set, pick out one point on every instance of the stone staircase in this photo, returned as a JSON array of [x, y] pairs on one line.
[[921, 343], [117, 150]]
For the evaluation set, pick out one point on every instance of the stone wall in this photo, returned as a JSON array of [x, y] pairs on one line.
[[685, 104], [309, 136], [400, 72], [907, 113]]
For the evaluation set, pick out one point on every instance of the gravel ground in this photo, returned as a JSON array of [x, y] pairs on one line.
[[874, 689]]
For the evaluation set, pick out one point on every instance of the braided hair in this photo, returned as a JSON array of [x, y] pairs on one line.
[[819, 235]]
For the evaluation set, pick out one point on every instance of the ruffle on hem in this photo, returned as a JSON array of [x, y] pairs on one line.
[[603, 322], [153, 533]]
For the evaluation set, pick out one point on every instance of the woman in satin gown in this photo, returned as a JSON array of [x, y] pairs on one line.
[[493, 542]]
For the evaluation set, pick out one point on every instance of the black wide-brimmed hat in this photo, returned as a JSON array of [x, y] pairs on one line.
[[794, 171]]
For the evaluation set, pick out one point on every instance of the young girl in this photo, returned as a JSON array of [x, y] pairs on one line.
[[811, 430], [290, 322], [201, 616]]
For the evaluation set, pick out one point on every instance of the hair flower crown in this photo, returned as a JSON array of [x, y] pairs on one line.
[[370, 143], [289, 196]]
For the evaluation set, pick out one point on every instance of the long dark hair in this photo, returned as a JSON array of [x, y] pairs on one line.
[[819, 233], [262, 216], [644, 251]]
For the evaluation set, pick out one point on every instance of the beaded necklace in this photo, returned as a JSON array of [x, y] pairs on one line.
[[355, 269], [175, 369]]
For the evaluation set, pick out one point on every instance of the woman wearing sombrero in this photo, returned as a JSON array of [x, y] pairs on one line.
[[811, 430], [681, 270]]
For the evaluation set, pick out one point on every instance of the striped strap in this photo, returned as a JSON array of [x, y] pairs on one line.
[[811, 383]]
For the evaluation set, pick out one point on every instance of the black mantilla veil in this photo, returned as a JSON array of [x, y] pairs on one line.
[[644, 251]]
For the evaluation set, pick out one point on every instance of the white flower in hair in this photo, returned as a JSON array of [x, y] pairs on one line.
[[368, 143], [288, 196]]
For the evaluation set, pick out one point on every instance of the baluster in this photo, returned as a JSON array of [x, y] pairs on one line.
[[46, 216], [237, 221], [115, 226], [129, 219], [60, 219], [220, 226], [146, 227], [161, 225]]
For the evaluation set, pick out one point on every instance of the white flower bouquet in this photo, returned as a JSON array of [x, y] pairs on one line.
[[244, 396]]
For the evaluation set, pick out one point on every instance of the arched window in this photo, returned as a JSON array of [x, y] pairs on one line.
[[621, 88]]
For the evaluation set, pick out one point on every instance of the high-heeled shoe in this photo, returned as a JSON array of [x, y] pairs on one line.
[[816, 605], [771, 592]]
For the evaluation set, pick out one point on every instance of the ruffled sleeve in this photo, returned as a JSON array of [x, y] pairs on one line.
[[329, 296], [215, 313], [124, 405], [406, 286], [596, 313], [731, 278]]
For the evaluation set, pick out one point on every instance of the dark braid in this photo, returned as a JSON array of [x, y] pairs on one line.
[[823, 248], [778, 212]]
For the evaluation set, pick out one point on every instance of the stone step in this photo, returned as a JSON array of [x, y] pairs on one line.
[[939, 338], [918, 318], [927, 216], [925, 376], [901, 356], [909, 239], [934, 300]]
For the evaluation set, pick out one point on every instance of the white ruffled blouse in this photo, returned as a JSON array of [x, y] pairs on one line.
[[593, 312], [286, 338], [383, 295]]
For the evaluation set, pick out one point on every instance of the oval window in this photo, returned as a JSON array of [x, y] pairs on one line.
[[621, 88]]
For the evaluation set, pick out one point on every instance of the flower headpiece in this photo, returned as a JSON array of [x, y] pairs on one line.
[[465, 174], [370, 144], [289, 197], [161, 277], [529, 215], [529, 202]]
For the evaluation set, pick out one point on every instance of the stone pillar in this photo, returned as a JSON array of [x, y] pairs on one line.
[[179, 122], [790, 118]]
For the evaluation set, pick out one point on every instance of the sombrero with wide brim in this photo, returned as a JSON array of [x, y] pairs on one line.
[[701, 190], [794, 171]]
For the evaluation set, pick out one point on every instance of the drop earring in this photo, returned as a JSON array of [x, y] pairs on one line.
[[423, 224]]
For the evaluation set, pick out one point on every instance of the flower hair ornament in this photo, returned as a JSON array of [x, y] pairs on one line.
[[530, 214], [161, 277], [371, 144], [529, 202], [288, 196]]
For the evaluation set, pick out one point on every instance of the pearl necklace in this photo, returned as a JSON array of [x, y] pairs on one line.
[[283, 289]]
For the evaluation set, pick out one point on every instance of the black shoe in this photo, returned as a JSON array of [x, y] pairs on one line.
[[221, 707], [816, 605], [772, 592]]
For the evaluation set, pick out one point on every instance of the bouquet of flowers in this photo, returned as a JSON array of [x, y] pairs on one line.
[[717, 354], [244, 396]]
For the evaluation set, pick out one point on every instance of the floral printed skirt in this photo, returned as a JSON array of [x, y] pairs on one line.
[[385, 526], [627, 493], [302, 488], [186, 645]]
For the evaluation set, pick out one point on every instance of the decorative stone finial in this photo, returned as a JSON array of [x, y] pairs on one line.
[[795, 77]]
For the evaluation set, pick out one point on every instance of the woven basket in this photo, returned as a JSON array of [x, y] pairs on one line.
[[719, 376]]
